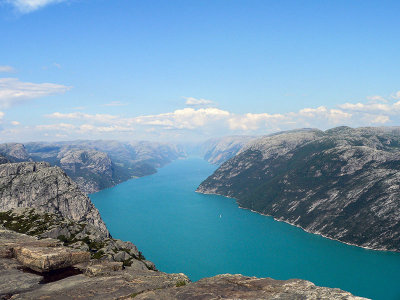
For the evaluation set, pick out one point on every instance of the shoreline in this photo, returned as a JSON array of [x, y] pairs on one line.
[[298, 226]]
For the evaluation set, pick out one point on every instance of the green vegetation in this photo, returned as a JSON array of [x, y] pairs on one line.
[[29, 223], [180, 283]]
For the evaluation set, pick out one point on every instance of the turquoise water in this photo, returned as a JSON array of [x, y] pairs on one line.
[[204, 235]]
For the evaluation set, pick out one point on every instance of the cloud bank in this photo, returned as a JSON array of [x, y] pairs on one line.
[[199, 123], [14, 91]]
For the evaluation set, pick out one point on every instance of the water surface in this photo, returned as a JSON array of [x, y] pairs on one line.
[[204, 235]]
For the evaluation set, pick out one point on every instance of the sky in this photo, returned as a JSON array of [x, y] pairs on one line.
[[179, 70]]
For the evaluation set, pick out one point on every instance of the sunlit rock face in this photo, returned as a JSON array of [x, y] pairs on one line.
[[342, 183], [219, 150], [46, 188]]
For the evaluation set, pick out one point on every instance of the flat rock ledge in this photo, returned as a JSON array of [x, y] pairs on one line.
[[39, 255], [228, 286], [102, 279]]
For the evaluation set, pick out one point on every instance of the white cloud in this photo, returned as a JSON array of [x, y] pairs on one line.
[[1, 115], [380, 119], [7, 69], [190, 101], [201, 123], [57, 127], [13, 91], [100, 118], [15, 123], [26, 6], [366, 107], [376, 98], [187, 118]]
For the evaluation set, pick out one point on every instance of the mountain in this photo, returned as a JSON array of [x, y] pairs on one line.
[[96, 165], [219, 150], [14, 152], [341, 183]]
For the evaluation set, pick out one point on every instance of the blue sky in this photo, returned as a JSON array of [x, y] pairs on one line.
[[180, 70]]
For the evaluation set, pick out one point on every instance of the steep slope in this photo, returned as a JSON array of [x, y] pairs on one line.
[[219, 150], [46, 188], [342, 183]]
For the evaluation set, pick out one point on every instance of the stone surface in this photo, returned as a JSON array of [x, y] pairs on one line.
[[241, 287], [343, 183], [45, 259], [103, 268], [116, 285], [14, 281], [10, 240]]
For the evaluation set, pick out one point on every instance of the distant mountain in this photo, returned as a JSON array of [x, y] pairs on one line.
[[343, 183], [96, 165], [219, 150], [14, 152]]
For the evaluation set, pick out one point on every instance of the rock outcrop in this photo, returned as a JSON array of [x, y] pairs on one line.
[[229, 286], [76, 235], [342, 183], [32, 269], [46, 188], [39, 255]]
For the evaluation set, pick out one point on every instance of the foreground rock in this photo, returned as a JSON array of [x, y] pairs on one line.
[[229, 286], [39, 255], [102, 279], [342, 183], [50, 230], [99, 279], [45, 259], [46, 188]]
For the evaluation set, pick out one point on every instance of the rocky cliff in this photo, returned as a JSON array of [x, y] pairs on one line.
[[49, 189], [219, 150], [343, 183]]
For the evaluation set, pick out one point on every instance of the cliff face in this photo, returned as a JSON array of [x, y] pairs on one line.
[[46, 188], [342, 183], [219, 150]]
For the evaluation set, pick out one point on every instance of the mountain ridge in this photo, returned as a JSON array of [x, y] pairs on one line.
[[330, 183]]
